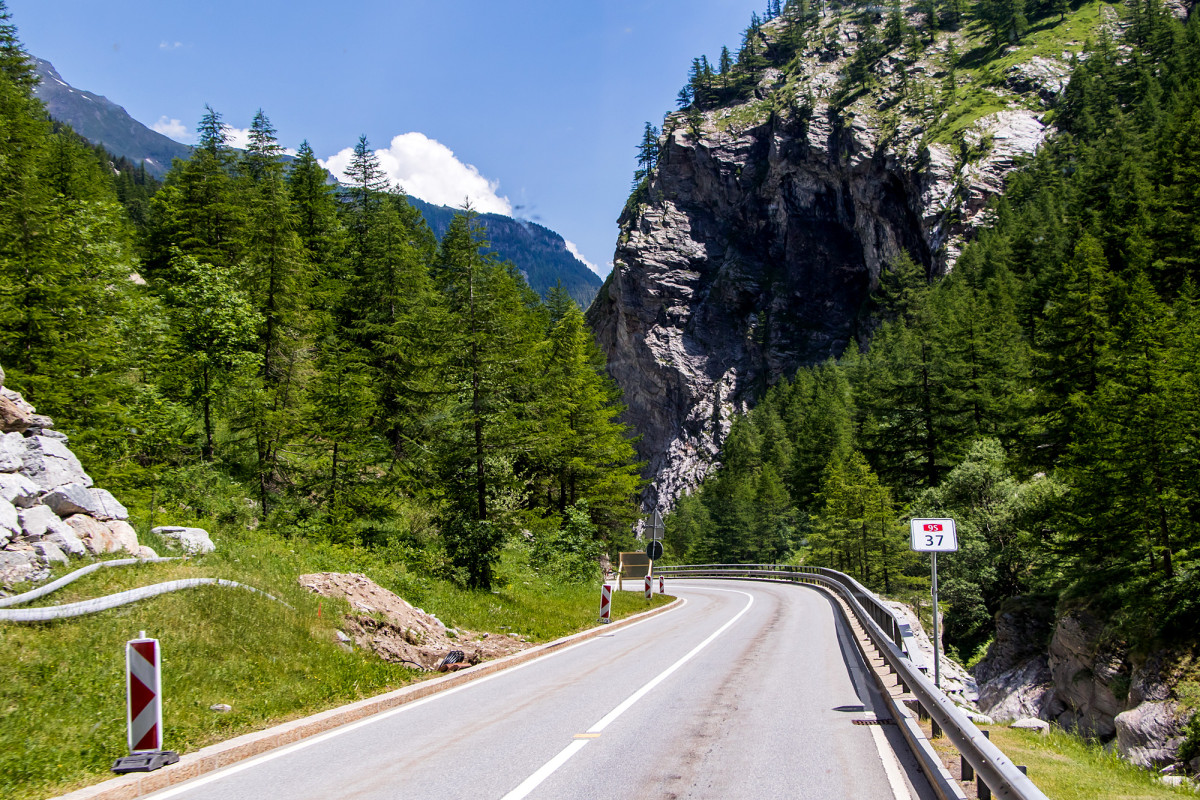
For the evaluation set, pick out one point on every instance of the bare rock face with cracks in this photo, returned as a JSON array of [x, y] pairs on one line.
[[751, 249]]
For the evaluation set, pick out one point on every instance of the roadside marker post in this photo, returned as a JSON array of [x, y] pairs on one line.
[[934, 536], [661, 585], [143, 708], [649, 593], [606, 603]]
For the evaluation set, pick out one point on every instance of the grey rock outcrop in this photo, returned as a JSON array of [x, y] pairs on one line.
[[1088, 671], [1083, 678], [763, 228], [49, 510], [1150, 734]]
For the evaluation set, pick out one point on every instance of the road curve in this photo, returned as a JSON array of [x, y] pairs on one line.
[[748, 690]]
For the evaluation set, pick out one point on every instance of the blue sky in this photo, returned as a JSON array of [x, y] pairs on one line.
[[535, 106]]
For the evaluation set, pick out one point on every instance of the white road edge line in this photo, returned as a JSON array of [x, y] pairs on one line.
[[891, 765], [548, 769], [283, 751]]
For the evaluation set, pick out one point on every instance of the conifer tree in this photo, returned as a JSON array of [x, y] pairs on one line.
[[587, 452], [198, 211], [488, 362], [278, 282]]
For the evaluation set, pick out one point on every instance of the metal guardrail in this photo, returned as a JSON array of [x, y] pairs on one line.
[[890, 636]]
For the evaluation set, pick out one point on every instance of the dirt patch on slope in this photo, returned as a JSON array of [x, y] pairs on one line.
[[397, 631]]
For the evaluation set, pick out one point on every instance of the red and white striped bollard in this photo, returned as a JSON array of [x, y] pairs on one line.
[[143, 685], [648, 585], [606, 603], [143, 709], [661, 585]]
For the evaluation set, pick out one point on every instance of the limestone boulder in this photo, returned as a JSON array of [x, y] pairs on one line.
[[124, 535], [193, 541], [12, 418], [95, 535], [38, 522], [1032, 724], [108, 506], [49, 464], [12, 452], [17, 566], [1150, 734], [10, 522], [18, 490], [72, 498], [67, 541], [49, 553]]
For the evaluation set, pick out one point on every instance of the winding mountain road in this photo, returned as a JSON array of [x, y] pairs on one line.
[[747, 690]]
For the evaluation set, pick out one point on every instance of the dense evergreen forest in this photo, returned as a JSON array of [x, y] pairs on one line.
[[1046, 393], [248, 345]]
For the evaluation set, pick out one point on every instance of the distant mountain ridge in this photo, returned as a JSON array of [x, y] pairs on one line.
[[540, 253], [103, 122]]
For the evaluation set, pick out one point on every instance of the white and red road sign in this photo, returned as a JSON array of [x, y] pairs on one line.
[[661, 586], [934, 535], [606, 603], [648, 585], [143, 683]]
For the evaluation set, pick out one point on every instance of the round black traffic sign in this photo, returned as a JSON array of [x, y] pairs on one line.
[[654, 550]]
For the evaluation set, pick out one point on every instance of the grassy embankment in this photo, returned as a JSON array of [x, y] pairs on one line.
[[63, 694], [1066, 767]]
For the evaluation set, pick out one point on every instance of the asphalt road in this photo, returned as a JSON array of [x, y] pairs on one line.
[[749, 690]]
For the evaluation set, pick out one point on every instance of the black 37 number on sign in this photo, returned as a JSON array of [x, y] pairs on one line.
[[934, 535]]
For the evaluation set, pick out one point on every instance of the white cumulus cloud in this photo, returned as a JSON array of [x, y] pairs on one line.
[[574, 250], [427, 169], [237, 137], [174, 129]]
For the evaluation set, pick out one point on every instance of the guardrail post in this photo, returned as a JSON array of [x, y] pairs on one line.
[[968, 772], [981, 789]]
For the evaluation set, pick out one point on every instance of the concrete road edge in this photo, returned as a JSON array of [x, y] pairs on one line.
[[248, 745]]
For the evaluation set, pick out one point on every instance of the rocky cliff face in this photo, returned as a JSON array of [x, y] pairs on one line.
[[754, 244], [1075, 672]]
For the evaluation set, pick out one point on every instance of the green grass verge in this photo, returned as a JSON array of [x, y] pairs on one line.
[[63, 695], [1066, 767]]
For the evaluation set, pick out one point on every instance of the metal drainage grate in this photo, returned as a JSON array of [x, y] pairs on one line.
[[874, 721]]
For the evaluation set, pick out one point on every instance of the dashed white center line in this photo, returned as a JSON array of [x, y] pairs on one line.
[[549, 768]]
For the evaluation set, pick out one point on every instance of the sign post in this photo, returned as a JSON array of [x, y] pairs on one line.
[[656, 527], [934, 536], [143, 713]]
